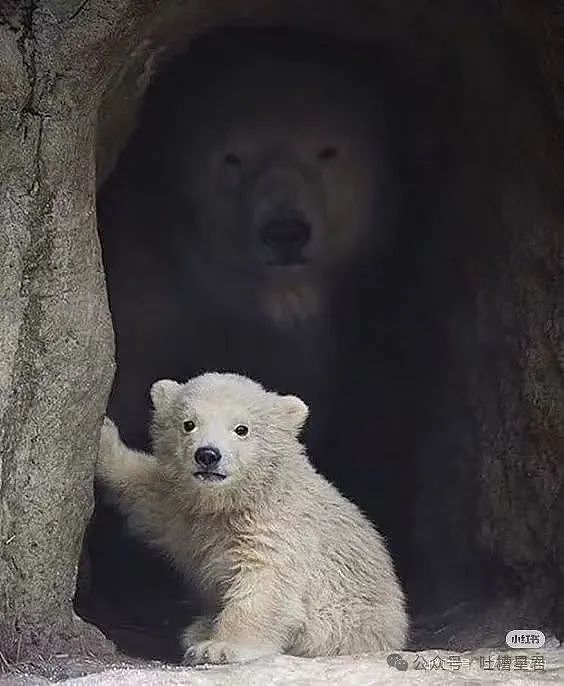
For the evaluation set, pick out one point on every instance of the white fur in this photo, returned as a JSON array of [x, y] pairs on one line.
[[283, 561]]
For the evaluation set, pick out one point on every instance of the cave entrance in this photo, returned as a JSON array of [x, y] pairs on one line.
[[384, 342]]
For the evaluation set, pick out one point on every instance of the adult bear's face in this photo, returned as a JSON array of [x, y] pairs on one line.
[[281, 175]]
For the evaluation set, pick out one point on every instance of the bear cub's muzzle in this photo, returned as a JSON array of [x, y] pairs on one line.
[[208, 458]]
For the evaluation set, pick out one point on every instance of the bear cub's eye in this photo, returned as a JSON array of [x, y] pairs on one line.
[[241, 430], [328, 152], [189, 426]]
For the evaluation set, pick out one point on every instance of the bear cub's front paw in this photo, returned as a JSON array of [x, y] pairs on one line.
[[108, 452], [222, 652], [109, 437]]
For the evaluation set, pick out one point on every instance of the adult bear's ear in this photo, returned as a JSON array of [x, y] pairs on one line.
[[163, 393], [296, 411]]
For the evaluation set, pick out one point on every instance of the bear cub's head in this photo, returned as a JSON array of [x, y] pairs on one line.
[[225, 431]]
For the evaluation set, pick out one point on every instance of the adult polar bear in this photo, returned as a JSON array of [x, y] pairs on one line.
[[283, 176]]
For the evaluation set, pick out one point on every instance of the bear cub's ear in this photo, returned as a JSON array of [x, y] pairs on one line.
[[296, 410], [163, 393]]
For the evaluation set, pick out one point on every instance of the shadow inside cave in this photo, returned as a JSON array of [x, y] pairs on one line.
[[382, 362]]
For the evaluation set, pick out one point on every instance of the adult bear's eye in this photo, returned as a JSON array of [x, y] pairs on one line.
[[189, 426], [232, 160], [241, 430], [328, 152]]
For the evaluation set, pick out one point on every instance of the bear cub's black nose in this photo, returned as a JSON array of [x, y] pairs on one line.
[[207, 456]]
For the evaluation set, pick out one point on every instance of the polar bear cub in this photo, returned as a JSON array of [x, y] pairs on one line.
[[283, 562]]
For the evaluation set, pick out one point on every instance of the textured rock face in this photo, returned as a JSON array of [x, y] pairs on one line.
[[63, 62], [56, 345]]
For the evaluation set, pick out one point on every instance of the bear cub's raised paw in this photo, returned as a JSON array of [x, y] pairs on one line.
[[109, 437]]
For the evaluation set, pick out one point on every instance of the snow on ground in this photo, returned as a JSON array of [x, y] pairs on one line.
[[510, 667]]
